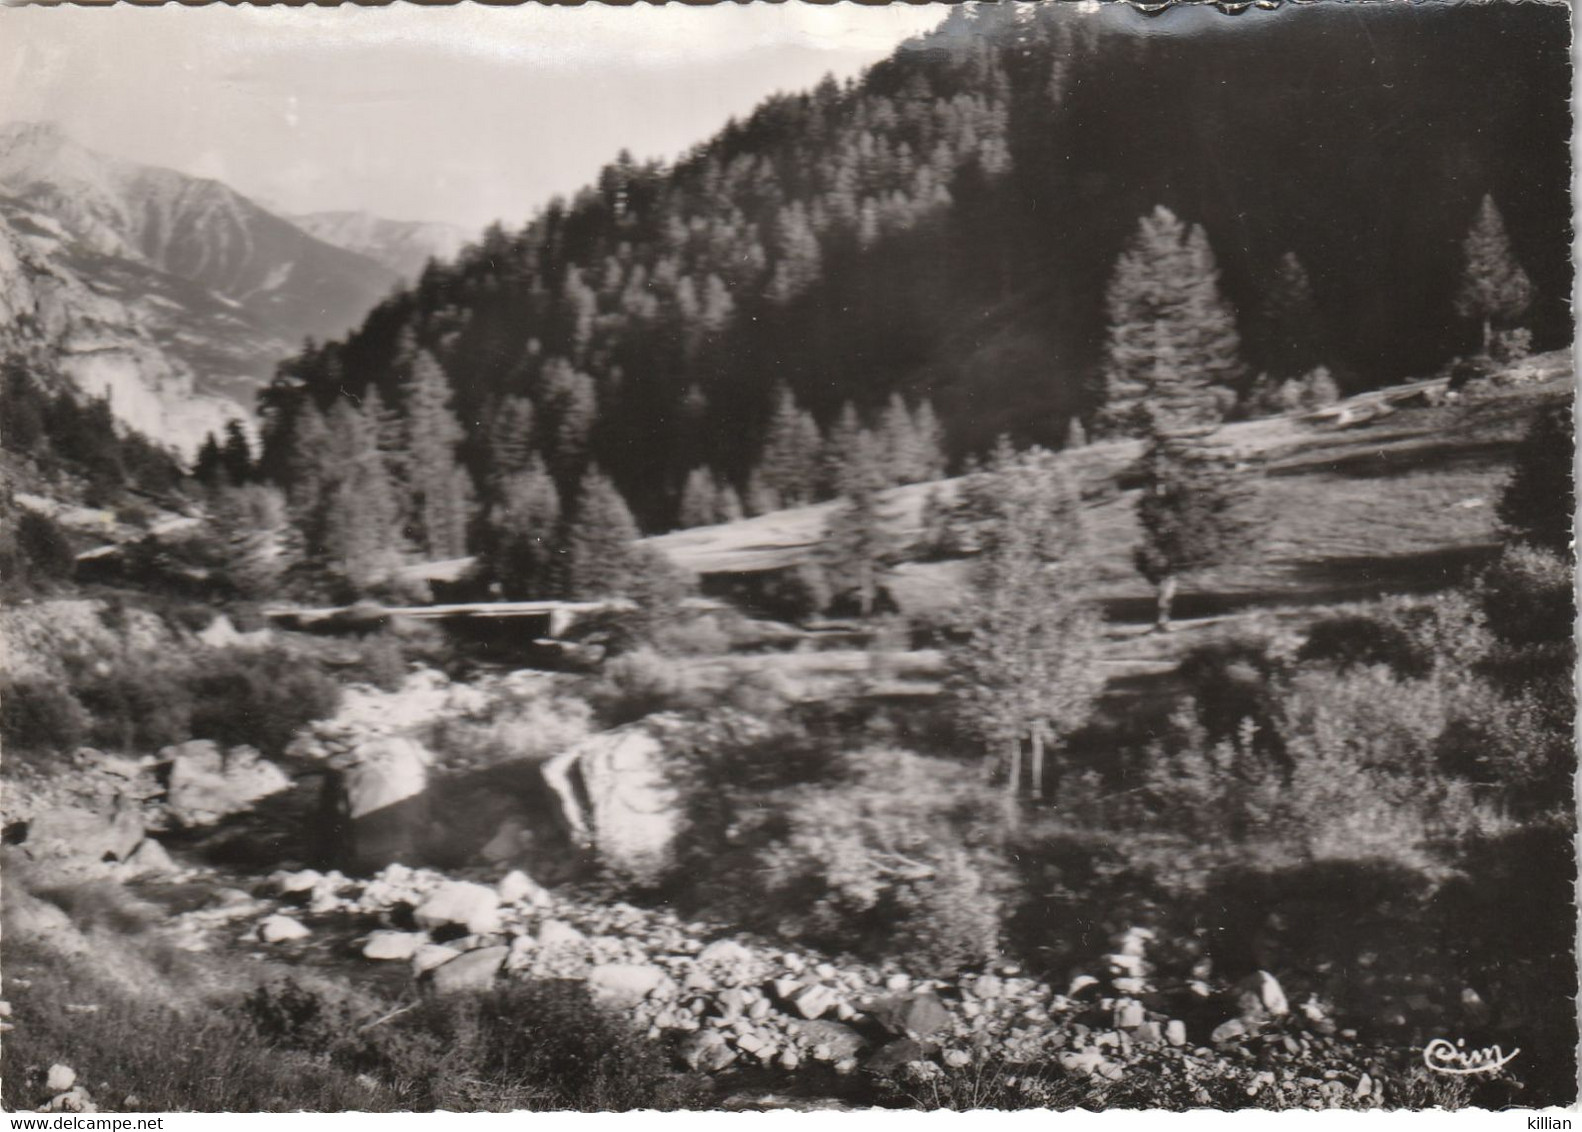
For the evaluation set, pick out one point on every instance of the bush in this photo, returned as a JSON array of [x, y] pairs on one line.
[[39, 715], [136, 705], [259, 697], [536, 1046], [899, 857], [35, 554]]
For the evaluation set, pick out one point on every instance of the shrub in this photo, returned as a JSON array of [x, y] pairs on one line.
[[899, 857], [538, 1046], [1528, 598], [40, 715], [35, 554], [136, 704], [259, 697]]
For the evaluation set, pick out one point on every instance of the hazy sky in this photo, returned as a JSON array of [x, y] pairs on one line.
[[464, 114]]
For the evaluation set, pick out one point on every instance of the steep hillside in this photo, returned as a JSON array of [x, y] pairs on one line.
[[117, 329], [947, 224], [195, 229], [403, 246]]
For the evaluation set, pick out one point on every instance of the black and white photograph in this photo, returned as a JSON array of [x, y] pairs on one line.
[[796, 557]]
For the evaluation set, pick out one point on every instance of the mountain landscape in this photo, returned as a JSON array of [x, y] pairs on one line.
[[177, 296], [1038, 577]]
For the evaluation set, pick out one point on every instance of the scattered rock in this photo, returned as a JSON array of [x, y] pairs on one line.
[[895, 1056], [707, 1050], [431, 955], [1229, 1031], [150, 859], [393, 945], [474, 970], [516, 887], [812, 1001], [918, 1015], [460, 904], [202, 785], [73, 1100], [836, 1039], [279, 929], [726, 952], [1175, 1032], [558, 933], [623, 984]]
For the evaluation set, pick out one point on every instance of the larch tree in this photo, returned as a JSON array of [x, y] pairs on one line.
[[839, 447], [511, 438], [439, 498], [599, 540], [1197, 510], [857, 540], [1494, 289], [930, 436], [899, 448], [236, 456], [1024, 672], [791, 452], [1292, 334], [1173, 353], [353, 530], [523, 531], [699, 499], [570, 410]]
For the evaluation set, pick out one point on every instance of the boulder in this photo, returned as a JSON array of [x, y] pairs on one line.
[[725, 952], [918, 1015], [812, 1001], [707, 1051], [1260, 996], [280, 929], [516, 887], [110, 833], [836, 1040], [633, 813], [460, 904], [623, 984], [393, 945], [474, 970], [431, 955], [60, 1078], [150, 859], [381, 788], [558, 933], [202, 785], [895, 1056]]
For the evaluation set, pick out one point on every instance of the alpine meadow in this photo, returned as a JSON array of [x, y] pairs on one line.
[[1032, 572]]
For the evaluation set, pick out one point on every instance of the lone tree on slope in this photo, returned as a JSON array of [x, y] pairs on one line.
[[1173, 354], [1196, 512], [1494, 288]]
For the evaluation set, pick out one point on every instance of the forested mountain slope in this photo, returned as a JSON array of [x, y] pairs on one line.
[[946, 226]]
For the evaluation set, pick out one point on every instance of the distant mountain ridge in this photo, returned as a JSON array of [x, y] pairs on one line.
[[402, 246], [175, 296]]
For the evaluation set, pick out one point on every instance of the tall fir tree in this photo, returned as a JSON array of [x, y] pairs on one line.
[[1198, 509], [522, 535], [857, 541], [1173, 353], [1024, 672], [352, 528], [436, 516], [236, 456], [1494, 289], [930, 436], [792, 451], [570, 410], [699, 500], [839, 447], [511, 438], [901, 452], [208, 468], [599, 540]]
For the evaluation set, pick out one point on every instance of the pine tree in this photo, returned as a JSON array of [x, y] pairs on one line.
[[761, 498], [1293, 329], [857, 540], [511, 438], [699, 499], [209, 466], [236, 457], [1494, 288], [305, 458], [352, 531], [571, 408], [728, 503], [1172, 352], [436, 515], [901, 453], [838, 449], [1196, 511], [1025, 671], [1538, 505], [598, 540], [251, 530], [522, 535], [791, 453], [930, 436]]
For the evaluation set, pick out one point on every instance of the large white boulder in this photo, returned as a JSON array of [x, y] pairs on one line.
[[204, 785], [633, 813], [460, 904]]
